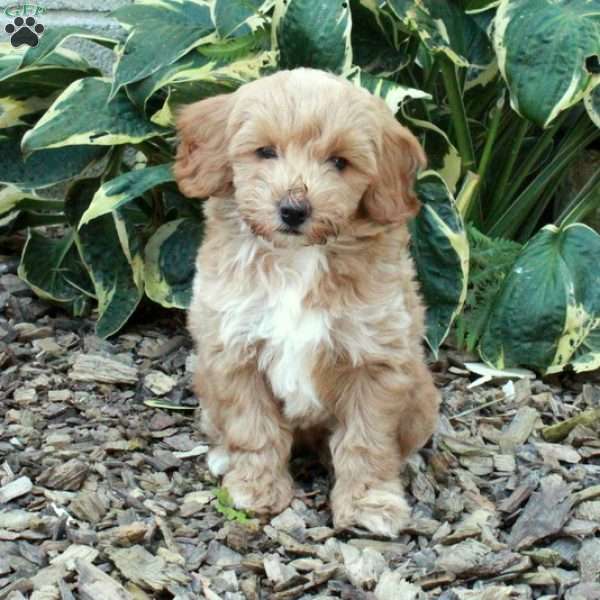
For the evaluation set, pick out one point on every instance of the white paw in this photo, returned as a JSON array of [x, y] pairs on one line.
[[218, 461], [382, 510]]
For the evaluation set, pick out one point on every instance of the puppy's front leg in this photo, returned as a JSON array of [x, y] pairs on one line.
[[367, 452], [255, 439]]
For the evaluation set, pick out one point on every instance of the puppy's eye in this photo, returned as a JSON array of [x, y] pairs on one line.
[[339, 163], [266, 152]]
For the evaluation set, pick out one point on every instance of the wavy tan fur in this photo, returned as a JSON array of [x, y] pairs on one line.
[[319, 331]]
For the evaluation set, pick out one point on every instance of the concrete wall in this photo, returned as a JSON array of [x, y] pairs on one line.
[[91, 14]]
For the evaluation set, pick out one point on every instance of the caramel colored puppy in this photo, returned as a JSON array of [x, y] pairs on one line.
[[305, 312]]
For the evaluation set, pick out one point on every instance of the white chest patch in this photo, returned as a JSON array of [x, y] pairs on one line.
[[272, 313]]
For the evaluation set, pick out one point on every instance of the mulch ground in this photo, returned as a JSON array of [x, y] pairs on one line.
[[106, 496]]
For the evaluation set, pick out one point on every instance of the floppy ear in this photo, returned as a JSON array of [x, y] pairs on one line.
[[202, 167], [391, 197]]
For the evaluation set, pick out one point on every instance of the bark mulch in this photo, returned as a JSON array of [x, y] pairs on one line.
[[105, 495]]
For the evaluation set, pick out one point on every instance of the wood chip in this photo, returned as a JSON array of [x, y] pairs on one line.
[[15, 489], [142, 568], [519, 429], [98, 368], [95, 584], [545, 514], [67, 476]]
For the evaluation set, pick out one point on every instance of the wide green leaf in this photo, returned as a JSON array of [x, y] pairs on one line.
[[115, 193], [9, 222], [224, 63], [378, 42], [170, 262], [14, 111], [160, 32], [549, 304], [195, 83], [20, 209], [313, 34], [12, 197], [53, 270], [238, 17], [58, 70], [477, 6], [9, 62], [108, 259], [587, 356], [445, 28], [45, 168], [83, 114], [394, 94], [542, 47], [441, 253], [592, 105], [442, 155], [55, 36]]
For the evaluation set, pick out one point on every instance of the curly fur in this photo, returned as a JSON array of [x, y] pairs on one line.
[[317, 331]]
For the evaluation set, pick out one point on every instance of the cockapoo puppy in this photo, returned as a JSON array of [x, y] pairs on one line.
[[305, 314]]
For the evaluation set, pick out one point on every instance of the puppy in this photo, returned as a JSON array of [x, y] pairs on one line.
[[305, 312]]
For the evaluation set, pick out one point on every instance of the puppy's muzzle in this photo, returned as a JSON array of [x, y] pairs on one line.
[[295, 208]]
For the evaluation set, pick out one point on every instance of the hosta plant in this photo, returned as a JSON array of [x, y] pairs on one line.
[[503, 95]]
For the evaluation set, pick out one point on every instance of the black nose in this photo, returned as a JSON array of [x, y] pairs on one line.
[[293, 214]]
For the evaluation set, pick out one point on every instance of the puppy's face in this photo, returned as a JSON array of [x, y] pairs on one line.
[[305, 155]]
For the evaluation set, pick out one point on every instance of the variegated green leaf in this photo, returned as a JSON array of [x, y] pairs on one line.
[[592, 105], [9, 63], [118, 286], [39, 81], [140, 92], [160, 32], [187, 93], [394, 94], [442, 155], [192, 84], [445, 28], [12, 197], [55, 36], [45, 168], [313, 34], [115, 193], [477, 6], [542, 47], [53, 270], [549, 304], [227, 63], [83, 114], [9, 222], [587, 356], [14, 110], [58, 70], [170, 262], [378, 41], [441, 253], [239, 17]]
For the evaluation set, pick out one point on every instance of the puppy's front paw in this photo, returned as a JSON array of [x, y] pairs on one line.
[[262, 494], [218, 461], [381, 509]]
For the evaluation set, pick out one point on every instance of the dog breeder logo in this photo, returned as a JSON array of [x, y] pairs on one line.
[[24, 28]]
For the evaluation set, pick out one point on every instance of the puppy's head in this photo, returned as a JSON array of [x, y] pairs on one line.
[[304, 155]]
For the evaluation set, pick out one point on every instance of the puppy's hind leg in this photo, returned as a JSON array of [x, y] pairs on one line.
[[419, 415]]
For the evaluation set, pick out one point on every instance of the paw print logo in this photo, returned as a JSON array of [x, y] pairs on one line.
[[23, 31]]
